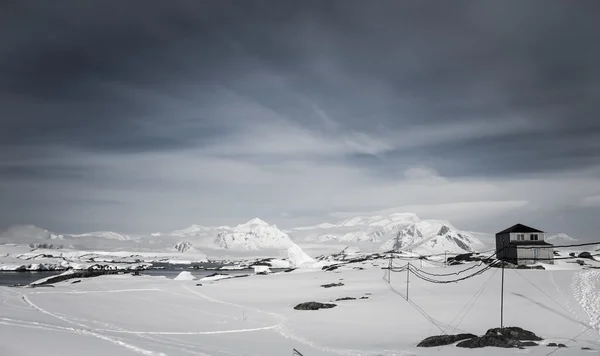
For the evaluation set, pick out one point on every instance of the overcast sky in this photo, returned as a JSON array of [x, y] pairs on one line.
[[144, 116]]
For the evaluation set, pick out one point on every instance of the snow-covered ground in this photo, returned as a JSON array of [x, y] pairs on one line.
[[23, 258], [254, 315]]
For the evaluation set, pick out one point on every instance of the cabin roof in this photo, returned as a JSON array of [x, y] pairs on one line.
[[519, 228]]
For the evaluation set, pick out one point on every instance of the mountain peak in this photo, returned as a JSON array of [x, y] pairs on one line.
[[184, 246], [256, 221], [560, 237]]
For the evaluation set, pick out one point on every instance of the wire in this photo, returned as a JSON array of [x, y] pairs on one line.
[[561, 246], [472, 301], [431, 280], [448, 274]]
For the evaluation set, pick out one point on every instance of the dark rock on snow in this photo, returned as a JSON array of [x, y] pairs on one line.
[[514, 332], [489, 340], [441, 340], [217, 274], [502, 337], [585, 254], [199, 285], [314, 306], [332, 285], [331, 267], [364, 297], [345, 298]]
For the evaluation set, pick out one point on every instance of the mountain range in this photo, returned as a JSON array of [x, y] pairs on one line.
[[399, 231]]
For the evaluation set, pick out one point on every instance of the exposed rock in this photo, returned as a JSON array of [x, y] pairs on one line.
[[184, 246], [586, 348], [289, 269], [585, 254], [553, 344], [217, 274], [198, 284], [332, 285], [441, 340], [502, 337], [77, 281], [514, 332], [331, 267], [345, 298], [364, 297], [314, 306], [489, 340]]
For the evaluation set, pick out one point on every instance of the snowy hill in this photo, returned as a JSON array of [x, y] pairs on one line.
[[431, 237], [253, 235], [184, 246], [361, 229], [27, 234], [109, 235]]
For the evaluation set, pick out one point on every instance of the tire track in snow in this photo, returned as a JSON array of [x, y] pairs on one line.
[[284, 331], [85, 331], [586, 289]]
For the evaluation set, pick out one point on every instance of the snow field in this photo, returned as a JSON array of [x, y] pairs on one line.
[[127, 315]]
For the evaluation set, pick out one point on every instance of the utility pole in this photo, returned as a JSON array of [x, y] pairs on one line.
[[445, 258], [502, 297], [390, 270], [407, 278]]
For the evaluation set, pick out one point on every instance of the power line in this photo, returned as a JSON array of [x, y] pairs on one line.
[[561, 246], [473, 300]]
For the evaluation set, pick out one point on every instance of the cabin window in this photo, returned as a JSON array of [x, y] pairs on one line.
[[534, 237], [520, 237]]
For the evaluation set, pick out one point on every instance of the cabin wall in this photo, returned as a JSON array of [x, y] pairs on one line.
[[532, 255], [502, 241]]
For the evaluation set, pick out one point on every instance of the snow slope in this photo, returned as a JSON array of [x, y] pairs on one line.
[[254, 315]]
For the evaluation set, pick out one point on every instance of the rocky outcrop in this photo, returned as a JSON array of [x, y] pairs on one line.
[[502, 337], [332, 285], [314, 306], [441, 340]]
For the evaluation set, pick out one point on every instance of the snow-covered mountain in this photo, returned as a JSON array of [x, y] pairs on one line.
[[184, 246], [560, 238], [360, 229], [253, 235], [432, 236]]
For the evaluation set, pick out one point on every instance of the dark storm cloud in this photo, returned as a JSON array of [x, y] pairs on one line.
[[469, 88], [66, 67]]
